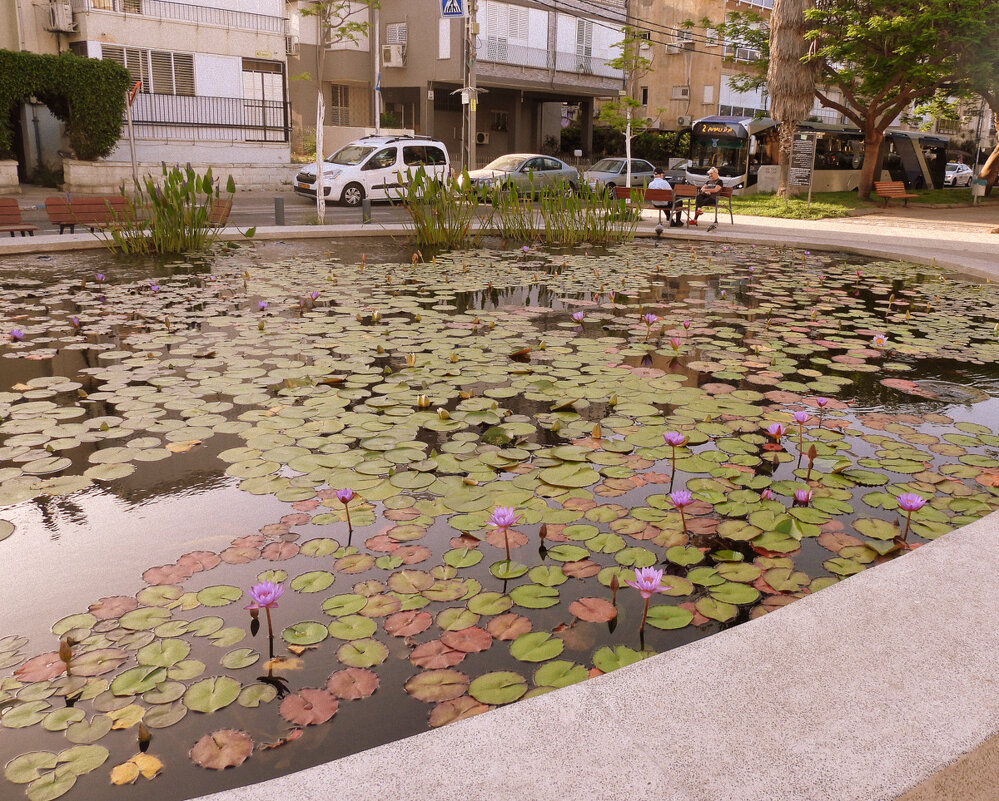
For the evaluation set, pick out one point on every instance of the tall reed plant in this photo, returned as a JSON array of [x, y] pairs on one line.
[[442, 210], [182, 213], [563, 215]]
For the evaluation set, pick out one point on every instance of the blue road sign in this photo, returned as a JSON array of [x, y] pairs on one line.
[[453, 8]]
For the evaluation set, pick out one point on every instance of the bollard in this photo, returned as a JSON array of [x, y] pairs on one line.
[[279, 211], [366, 210]]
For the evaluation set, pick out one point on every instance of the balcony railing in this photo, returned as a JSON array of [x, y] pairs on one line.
[[186, 12], [500, 52], [232, 119]]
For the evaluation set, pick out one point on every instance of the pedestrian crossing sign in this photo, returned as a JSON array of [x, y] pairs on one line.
[[453, 8]]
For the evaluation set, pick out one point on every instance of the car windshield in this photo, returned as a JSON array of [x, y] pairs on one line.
[[350, 155], [607, 165], [505, 163], [954, 167]]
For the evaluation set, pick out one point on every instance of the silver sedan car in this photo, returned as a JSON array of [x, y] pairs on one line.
[[526, 171], [612, 172]]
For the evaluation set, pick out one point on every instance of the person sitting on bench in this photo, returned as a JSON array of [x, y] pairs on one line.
[[707, 195], [659, 182]]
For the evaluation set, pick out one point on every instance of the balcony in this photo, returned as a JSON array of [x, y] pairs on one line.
[[186, 12], [501, 52], [225, 119]]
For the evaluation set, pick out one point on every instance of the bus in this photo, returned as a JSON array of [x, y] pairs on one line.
[[745, 151]]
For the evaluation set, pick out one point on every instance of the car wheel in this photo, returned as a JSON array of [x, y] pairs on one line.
[[968, 182], [352, 195]]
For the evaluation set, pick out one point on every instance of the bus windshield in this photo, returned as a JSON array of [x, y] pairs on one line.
[[728, 154]]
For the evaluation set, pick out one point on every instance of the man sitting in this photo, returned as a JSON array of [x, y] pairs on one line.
[[659, 182]]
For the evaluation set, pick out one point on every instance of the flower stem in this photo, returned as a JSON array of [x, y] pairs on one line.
[[908, 519], [645, 614], [506, 541], [270, 632], [346, 511]]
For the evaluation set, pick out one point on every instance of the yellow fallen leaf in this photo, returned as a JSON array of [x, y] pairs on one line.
[[182, 447], [21, 387], [125, 773], [298, 650], [127, 716], [284, 664], [147, 764]]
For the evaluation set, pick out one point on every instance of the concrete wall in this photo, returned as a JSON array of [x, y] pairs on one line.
[[104, 177], [8, 178]]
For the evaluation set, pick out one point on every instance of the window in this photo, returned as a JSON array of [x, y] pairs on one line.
[[644, 92], [683, 39], [161, 72], [708, 95], [338, 109], [501, 121], [444, 38], [396, 33], [381, 160], [680, 92], [584, 46], [506, 25], [415, 155]]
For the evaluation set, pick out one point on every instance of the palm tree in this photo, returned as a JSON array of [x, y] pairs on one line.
[[790, 79]]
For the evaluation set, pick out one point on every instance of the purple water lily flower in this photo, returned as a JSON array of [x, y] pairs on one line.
[[262, 305], [345, 495], [821, 402], [776, 430], [154, 288], [879, 341], [75, 322], [911, 502], [648, 581], [16, 335], [681, 498], [801, 417], [265, 595], [100, 278], [314, 294], [578, 316], [650, 319], [675, 438], [723, 293], [802, 496], [504, 517], [767, 494]]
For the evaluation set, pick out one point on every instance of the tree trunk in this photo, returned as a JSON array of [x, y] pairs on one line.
[[990, 169], [871, 171], [786, 131]]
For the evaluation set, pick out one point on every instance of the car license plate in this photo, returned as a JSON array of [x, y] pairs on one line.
[[303, 186]]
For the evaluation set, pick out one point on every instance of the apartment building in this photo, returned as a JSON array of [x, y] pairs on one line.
[[532, 58], [213, 83]]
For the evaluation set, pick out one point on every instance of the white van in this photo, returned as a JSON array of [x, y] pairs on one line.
[[375, 167]]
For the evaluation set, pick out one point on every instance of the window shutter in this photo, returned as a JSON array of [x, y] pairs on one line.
[[183, 73], [162, 69]]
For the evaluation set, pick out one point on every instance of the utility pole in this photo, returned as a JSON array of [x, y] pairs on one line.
[[473, 99], [378, 73]]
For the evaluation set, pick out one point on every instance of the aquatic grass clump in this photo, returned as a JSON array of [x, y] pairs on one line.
[[442, 211], [181, 213]]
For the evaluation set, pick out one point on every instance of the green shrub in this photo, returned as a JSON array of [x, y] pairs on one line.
[[87, 94]]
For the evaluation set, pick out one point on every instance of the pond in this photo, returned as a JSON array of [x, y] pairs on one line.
[[172, 434]]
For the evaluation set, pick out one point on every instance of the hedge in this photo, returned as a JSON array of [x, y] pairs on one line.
[[85, 93]]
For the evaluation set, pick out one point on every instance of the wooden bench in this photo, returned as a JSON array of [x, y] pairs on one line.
[[91, 211], [11, 220], [886, 190], [646, 198], [219, 215]]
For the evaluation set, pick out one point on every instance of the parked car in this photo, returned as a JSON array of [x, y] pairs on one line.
[[613, 172], [374, 167], [677, 174], [525, 171], [958, 174]]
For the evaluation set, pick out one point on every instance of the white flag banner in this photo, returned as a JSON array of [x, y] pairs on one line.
[[320, 193]]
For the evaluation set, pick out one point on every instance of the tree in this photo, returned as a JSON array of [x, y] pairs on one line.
[[337, 22], [882, 56], [790, 79], [619, 114]]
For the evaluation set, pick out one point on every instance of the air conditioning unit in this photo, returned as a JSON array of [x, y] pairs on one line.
[[291, 45], [482, 137], [678, 45], [651, 122], [393, 55], [60, 18], [684, 121]]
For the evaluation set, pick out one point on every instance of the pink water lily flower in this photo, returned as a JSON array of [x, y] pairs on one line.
[[879, 340], [802, 496], [675, 438], [578, 316], [801, 417], [681, 498], [650, 319], [686, 325], [776, 430], [265, 595], [911, 502], [504, 517], [345, 495], [648, 581], [821, 402]]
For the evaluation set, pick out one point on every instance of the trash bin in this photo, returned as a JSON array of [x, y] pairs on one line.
[[978, 187]]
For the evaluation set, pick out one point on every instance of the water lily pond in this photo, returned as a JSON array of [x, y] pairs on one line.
[[173, 434]]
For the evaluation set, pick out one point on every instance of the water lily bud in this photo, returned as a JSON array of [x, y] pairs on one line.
[[454, 358], [380, 349], [411, 360], [65, 653], [260, 326], [597, 432], [443, 413], [423, 401], [612, 400], [376, 316], [360, 318], [468, 481]]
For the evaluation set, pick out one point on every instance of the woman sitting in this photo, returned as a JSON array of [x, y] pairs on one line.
[[707, 195]]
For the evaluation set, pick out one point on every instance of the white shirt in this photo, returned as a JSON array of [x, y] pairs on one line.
[[660, 183]]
